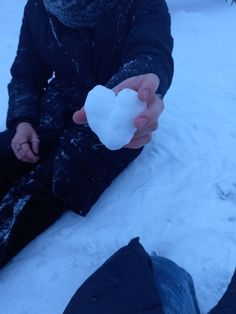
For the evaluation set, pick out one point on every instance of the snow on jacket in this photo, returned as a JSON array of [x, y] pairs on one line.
[[56, 66]]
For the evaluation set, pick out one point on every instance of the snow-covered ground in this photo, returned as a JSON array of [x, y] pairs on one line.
[[179, 196]]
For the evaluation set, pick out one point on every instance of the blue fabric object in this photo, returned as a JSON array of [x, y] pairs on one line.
[[132, 282], [124, 284], [175, 287]]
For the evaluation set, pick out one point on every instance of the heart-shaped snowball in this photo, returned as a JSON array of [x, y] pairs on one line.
[[112, 116]]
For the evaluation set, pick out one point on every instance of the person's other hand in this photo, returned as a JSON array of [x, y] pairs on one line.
[[147, 122], [25, 143]]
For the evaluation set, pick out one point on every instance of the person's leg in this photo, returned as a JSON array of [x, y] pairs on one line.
[[29, 206], [27, 209], [84, 168], [175, 286], [10, 167], [37, 215], [227, 304]]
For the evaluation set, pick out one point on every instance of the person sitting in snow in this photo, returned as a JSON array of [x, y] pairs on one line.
[[48, 162]]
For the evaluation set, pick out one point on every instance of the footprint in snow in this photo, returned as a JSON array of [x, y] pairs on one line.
[[226, 191]]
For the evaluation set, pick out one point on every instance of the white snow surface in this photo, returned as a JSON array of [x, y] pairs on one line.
[[179, 196], [119, 111]]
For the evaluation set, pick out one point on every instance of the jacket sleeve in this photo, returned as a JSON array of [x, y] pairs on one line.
[[149, 45], [29, 78]]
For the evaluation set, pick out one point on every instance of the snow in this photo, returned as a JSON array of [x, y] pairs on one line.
[[179, 196], [119, 111]]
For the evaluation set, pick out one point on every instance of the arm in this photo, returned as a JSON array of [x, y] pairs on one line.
[[29, 77], [148, 46], [147, 66]]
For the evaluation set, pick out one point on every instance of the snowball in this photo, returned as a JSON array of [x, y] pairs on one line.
[[112, 116]]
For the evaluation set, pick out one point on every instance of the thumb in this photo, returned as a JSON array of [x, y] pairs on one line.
[[35, 146], [79, 117], [34, 140], [148, 85]]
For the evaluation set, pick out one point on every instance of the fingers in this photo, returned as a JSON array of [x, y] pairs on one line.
[[147, 122], [139, 142], [146, 85], [149, 129], [35, 145], [132, 83], [150, 116], [79, 117], [24, 152], [142, 137], [25, 143]]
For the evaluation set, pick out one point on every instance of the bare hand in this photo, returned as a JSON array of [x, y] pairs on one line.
[[147, 122], [25, 143]]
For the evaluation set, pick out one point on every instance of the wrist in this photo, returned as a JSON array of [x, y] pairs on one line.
[[22, 124]]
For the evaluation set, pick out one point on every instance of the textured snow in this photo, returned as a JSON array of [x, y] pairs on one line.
[[179, 196], [119, 112]]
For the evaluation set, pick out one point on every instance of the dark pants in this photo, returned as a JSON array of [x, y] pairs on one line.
[[40, 210], [73, 171]]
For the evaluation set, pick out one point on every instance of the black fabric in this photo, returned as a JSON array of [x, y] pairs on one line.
[[27, 204], [37, 214], [227, 304], [79, 167], [73, 170], [73, 165], [133, 39], [111, 288], [83, 167]]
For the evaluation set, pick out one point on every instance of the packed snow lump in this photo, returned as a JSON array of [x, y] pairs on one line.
[[111, 116]]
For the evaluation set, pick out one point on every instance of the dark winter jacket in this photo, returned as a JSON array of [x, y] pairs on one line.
[[56, 66], [123, 284]]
